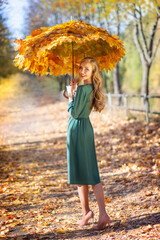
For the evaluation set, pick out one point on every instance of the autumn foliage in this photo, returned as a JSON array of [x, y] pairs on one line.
[[49, 50]]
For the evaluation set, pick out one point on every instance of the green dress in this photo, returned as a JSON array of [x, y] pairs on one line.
[[81, 154]]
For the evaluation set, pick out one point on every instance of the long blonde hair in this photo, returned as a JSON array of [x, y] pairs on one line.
[[97, 100]]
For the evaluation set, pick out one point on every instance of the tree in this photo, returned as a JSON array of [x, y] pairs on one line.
[[63, 10], [113, 19], [146, 49], [36, 17], [146, 16], [2, 2], [6, 52]]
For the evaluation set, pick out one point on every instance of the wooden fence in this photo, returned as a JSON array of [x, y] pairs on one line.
[[122, 99]]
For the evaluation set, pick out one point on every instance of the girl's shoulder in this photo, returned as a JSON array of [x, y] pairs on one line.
[[85, 89], [86, 85]]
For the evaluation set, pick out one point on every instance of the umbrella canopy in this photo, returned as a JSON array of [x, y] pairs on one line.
[[51, 50]]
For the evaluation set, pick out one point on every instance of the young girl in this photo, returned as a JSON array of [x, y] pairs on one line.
[[81, 154]]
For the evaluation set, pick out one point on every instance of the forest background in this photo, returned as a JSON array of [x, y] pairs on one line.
[[136, 22]]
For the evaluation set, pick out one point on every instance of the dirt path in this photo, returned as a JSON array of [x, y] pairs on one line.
[[36, 200]]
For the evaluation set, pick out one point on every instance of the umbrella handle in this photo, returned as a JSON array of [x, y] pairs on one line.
[[64, 94]]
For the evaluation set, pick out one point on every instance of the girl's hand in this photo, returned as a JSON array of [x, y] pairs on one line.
[[72, 81], [74, 85]]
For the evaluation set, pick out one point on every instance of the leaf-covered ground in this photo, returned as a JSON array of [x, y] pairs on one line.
[[36, 200]]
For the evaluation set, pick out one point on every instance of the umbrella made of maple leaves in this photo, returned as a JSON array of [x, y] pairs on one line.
[[59, 49]]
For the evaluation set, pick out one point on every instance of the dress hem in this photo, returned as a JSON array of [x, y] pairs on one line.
[[84, 183]]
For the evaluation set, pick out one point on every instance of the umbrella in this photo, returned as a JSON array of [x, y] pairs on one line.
[[59, 49]]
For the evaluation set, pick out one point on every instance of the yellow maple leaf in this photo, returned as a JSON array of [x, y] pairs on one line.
[[107, 200]]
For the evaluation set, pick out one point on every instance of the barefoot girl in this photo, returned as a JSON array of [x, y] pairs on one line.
[[81, 154]]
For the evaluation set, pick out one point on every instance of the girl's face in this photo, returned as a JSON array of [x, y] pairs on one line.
[[85, 71]]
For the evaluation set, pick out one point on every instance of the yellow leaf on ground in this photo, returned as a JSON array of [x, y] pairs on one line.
[[61, 230], [107, 200]]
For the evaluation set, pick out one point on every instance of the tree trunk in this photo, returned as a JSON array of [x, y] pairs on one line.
[[116, 75], [147, 54], [65, 80], [60, 80], [145, 79], [116, 82]]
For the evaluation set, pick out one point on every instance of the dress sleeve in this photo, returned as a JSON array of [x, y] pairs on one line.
[[76, 106]]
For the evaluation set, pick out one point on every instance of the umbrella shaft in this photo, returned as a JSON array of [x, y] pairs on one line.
[[72, 59]]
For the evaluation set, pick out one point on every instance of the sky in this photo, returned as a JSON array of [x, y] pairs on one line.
[[14, 13]]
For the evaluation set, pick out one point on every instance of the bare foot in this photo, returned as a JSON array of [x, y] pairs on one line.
[[86, 218], [105, 219]]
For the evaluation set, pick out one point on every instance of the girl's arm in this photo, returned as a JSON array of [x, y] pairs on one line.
[[76, 106]]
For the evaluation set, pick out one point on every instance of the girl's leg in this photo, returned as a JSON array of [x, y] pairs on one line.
[[103, 216], [87, 213], [83, 195]]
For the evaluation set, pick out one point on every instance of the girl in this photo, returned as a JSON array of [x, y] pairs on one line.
[[81, 154]]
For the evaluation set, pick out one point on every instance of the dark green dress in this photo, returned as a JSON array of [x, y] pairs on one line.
[[81, 154]]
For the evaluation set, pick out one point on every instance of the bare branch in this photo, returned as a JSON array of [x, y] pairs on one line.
[[157, 10], [126, 10], [140, 26], [107, 24], [155, 50], [138, 11], [137, 42], [118, 19], [153, 35]]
